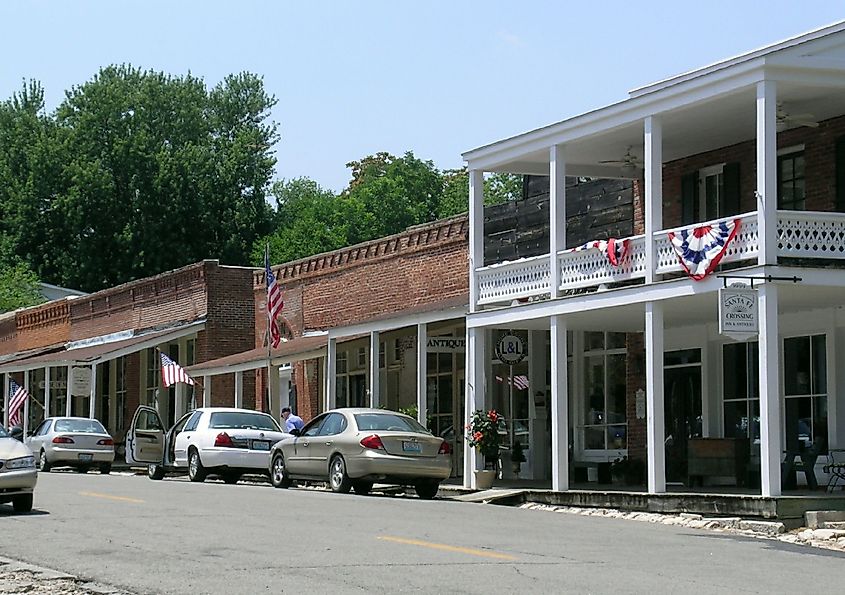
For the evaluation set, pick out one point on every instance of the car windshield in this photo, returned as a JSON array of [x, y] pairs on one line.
[[84, 426], [243, 420], [388, 422]]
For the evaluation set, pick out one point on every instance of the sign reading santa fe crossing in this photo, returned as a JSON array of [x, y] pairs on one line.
[[738, 317]]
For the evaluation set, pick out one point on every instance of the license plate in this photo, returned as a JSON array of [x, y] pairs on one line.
[[260, 445], [86, 458], [412, 447]]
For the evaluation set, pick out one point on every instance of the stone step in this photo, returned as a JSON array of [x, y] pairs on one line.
[[832, 524], [815, 518]]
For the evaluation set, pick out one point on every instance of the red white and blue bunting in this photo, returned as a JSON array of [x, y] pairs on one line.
[[701, 248], [614, 249]]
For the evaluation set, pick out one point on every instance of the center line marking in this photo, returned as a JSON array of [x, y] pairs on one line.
[[447, 548], [108, 497]]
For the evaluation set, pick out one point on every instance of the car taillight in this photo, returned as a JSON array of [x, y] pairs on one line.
[[223, 439], [372, 442], [62, 440], [106, 442], [445, 449]]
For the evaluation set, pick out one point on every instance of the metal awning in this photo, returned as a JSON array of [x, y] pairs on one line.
[[288, 352]]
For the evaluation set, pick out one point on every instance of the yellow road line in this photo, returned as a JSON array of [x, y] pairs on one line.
[[108, 497], [447, 548]]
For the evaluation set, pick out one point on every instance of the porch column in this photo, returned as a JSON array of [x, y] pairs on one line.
[[770, 422], [6, 400], [206, 391], [422, 372], [68, 396], [179, 400], [239, 389], [653, 191], [279, 389], [92, 401], [375, 396], [331, 379], [559, 406], [654, 397], [476, 232], [46, 392], [557, 214], [767, 196], [475, 394], [25, 424]]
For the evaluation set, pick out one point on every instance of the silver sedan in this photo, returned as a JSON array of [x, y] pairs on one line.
[[17, 473], [353, 448], [77, 442]]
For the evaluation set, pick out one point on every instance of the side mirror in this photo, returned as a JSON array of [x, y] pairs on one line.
[[294, 432], [16, 433]]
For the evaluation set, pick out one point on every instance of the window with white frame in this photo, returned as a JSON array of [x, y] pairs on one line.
[[605, 422], [120, 393], [791, 182], [741, 383], [153, 376], [711, 183], [805, 392]]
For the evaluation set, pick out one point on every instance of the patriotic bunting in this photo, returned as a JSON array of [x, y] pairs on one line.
[[614, 249], [701, 248]]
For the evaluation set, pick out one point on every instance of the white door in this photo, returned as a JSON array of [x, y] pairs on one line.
[[181, 436], [145, 439]]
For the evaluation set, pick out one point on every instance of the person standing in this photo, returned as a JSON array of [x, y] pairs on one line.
[[291, 421]]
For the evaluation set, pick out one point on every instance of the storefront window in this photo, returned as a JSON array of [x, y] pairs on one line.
[[805, 389], [153, 376], [605, 410], [742, 394]]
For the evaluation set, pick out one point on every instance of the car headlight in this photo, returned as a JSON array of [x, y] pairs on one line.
[[20, 463]]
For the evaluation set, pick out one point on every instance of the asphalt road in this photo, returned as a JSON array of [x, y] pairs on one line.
[[172, 536]]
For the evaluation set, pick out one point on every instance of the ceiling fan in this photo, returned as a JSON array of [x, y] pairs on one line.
[[786, 120], [629, 161]]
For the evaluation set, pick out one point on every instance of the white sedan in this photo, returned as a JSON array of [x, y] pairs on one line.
[[220, 441], [17, 473]]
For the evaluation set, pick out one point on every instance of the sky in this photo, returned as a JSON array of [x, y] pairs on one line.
[[434, 77]]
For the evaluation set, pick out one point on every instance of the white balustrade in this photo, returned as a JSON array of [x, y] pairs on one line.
[[743, 247], [513, 280], [811, 234], [585, 268]]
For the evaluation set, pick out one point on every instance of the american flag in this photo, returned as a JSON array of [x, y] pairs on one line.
[[520, 382], [171, 372], [274, 300], [17, 397]]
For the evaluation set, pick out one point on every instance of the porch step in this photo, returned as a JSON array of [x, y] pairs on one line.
[[821, 519]]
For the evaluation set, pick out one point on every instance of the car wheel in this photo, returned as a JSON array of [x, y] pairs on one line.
[[278, 475], [362, 488], [338, 479], [155, 472], [22, 503], [196, 472], [105, 468], [82, 469], [43, 464], [427, 489], [231, 478]]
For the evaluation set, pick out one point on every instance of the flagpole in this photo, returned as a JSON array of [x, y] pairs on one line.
[[268, 334]]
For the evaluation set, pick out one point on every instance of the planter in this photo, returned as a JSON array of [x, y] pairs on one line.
[[484, 479]]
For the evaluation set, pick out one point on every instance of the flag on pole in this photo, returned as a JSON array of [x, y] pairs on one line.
[[701, 248], [520, 382], [274, 300], [171, 372], [17, 397]]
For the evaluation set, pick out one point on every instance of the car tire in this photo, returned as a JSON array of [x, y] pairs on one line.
[[231, 478], [278, 473], [196, 472], [155, 472], [427, 490], [362, 488], [82, 469], [105, 468], [338, 479], [22, 503], [43, 464]]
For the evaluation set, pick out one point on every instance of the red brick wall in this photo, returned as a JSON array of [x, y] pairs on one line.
[[39, 326]]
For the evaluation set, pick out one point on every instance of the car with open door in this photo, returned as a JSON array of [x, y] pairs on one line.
[[220, 441], [352, 448]]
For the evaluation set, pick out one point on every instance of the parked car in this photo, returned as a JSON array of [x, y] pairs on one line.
[[77, 442], [17, 473], [353, 448], [221, 441]]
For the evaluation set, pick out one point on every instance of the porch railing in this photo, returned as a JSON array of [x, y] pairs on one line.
[[811, 234]]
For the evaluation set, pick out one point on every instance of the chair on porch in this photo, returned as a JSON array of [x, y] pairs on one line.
[[835, 468], [801, 459]]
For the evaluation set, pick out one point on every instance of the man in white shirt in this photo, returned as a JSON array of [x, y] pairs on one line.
[[291, 421]]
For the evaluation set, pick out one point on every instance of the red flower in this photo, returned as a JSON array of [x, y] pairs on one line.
[[478, 436], [494, 417]]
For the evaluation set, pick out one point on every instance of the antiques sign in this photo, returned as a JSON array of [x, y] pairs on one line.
[[738, 315]]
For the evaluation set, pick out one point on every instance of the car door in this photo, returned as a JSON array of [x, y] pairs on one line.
[[324, 444], [181, 436], [298, 457], [145, 438], [36, 440]]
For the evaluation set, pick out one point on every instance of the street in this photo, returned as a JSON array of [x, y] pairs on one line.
[[173, 536]]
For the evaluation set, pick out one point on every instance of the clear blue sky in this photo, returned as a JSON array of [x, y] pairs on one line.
[[435, 77]]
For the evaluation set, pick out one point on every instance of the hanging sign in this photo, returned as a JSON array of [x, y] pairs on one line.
[[738, 315], [80, 382], [510, 350]]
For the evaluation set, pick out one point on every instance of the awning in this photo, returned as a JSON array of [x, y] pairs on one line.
[[455, 307], [92, 352], [294, 350]]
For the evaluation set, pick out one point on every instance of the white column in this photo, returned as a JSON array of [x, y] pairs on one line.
[[476, 232], [422, 373], [375, 389], [653, 191], [46, 392], [68, 396], [92, 400], [279, 391], [767, 197], [331, 377], [25, 424], [559, 406], [654, 397], [179, 400], [557, 213], [206, 391], [475, 390], [6, 379], [239, 389], [770, 423]]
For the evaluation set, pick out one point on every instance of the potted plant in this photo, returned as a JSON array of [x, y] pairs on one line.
[[517, 457], [483, 435]]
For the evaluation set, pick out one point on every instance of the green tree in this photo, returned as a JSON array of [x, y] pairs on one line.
[[18, 284], [498, 188]]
